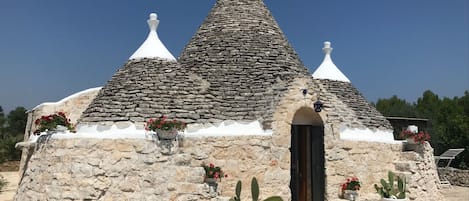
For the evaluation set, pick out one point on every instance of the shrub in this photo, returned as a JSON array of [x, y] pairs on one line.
[[3, 183]]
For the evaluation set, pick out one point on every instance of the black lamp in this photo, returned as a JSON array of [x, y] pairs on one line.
[[317, 106]]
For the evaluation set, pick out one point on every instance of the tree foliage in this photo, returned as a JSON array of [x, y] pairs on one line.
[[448, 120], [12, 129]]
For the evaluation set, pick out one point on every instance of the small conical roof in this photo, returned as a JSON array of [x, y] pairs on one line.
[[152, 47], [327, 69]]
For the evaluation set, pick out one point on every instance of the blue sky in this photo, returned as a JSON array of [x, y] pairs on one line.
[[50, 49]]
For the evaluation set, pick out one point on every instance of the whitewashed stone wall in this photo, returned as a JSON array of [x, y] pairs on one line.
[[106, 169]]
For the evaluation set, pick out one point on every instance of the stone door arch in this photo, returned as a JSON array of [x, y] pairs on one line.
[[307, 156]]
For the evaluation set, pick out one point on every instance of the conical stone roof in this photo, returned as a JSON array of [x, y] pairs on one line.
[[147, 88], [236, 67], [246, 59]]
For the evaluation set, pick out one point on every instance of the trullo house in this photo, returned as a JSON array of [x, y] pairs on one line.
[[251, 108]]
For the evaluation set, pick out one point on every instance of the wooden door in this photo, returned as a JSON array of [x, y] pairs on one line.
[[307, 163]]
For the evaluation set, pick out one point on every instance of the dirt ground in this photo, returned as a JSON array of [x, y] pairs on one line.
[[456, 193], [8, 192]]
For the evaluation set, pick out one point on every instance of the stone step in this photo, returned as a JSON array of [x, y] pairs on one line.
[[406, 166], [411, 155]]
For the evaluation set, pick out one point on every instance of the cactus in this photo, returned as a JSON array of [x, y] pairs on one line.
[[388, 190], [237, 197], [254, 189], [254, 192]]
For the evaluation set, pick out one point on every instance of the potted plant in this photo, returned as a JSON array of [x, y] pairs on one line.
[[53, 122], [350, 188], [389, 191], [165, 129], [415, 137], [213, 174]]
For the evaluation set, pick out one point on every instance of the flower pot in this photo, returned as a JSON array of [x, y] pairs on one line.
[[411, 141], [350, 194], [211, 181], [170, 134]]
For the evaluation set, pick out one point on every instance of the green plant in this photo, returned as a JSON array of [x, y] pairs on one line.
[[3, 183], [212, 171], [50, 122], [163, 123], [8, 152], [388, 188], [254, 192], [351, 183]]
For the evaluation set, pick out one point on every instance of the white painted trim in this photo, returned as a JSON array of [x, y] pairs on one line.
[[66, 98], [368, 135]]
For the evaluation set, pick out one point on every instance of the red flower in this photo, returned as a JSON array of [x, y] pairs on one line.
[[211, 165]]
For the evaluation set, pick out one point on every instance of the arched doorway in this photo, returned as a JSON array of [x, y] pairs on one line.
[[307, 156]]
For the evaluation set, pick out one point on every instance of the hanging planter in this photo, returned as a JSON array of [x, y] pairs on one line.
[[165, 129]]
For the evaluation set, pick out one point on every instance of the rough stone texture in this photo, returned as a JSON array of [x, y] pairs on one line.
[[344, 93], [418, 164], [104, 169], [149, 88], [241, 51], [72, 106], [237, 66], [455, 176]]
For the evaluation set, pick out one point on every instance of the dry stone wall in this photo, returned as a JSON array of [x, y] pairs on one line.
[[124, 169], [106, 169], [455, 176]]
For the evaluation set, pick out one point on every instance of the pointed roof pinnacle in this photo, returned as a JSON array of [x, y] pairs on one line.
[[327, 69], [152, 47]]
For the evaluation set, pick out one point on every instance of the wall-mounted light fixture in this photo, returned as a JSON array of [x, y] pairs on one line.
[[318, 105], [304, 91]]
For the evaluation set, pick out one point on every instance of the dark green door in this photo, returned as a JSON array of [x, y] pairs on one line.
[[307, 163]]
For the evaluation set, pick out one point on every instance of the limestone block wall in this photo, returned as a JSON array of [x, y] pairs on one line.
[[106, 169], [370, 162], [455, 176], [139, 169]]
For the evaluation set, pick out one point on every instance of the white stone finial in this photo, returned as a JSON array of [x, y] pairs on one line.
[[327, 49], [152, 47], [327, 69], [153, 22]]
